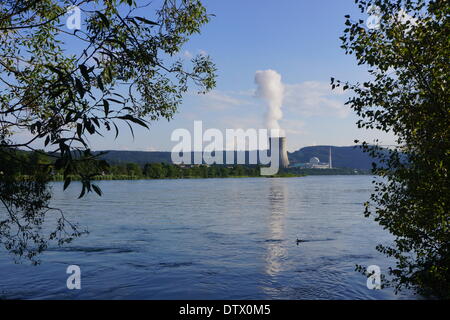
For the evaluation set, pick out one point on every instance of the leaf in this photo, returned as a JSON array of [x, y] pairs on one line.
[[79, 87], [117, 130], [83, 192], [84, 72], [79, 129], [128, 108], [68, 116], [131, 129], [90, 127], [133, 22], [100, 83], [97, 189], [67, 183], [115, 100], [146, 21], [133, 119], [95, 120], [106, 107], [56, 70]]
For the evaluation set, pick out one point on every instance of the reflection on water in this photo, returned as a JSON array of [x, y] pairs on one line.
[[211, 239], [276, 252]]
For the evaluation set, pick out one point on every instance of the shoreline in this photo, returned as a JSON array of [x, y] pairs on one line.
[[119, 178], [189, 178]]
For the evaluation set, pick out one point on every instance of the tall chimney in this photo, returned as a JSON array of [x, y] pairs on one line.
[[329, 161], [283, 158]]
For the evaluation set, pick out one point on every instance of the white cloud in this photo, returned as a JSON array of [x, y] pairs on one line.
[[232, 122], [294, 127], [249, 93], [314, 98], [219, 101]]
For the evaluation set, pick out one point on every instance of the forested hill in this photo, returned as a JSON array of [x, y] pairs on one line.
[[343, 157], [139, 157]]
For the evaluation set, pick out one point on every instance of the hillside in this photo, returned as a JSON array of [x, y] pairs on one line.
[[139, 157], [343, 157]]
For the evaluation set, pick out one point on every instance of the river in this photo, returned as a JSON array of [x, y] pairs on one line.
[[211, 239]]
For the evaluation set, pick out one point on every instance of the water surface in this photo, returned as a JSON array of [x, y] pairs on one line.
[[211, 239]]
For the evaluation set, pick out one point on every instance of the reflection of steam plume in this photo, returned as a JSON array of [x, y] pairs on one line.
[[276, 252], [271, 90]]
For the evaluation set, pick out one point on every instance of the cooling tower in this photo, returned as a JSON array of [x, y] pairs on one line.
[[283, 158]]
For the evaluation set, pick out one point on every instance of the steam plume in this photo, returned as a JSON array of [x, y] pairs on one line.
[[271, 90]]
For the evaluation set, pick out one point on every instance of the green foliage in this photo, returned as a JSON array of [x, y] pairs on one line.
[[62, 96], [131, 171], [154, 170], [408, 94], [25, 196], [171, 171], [60, 86]]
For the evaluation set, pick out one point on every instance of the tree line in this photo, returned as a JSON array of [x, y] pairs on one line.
[[28, 163], [31, 162], [130, 171]]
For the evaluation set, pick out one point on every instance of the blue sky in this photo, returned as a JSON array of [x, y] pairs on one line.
[[297, 38]]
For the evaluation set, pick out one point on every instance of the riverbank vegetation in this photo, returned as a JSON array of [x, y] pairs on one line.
[[101, 170], [407, 55]]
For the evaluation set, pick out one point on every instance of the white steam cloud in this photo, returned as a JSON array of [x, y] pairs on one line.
[[271, 89]]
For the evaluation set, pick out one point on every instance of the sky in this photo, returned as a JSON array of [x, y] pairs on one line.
[[299, 39]]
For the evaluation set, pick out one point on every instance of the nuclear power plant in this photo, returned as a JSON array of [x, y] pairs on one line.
[[282, 154], [315, 163], [271, 90]]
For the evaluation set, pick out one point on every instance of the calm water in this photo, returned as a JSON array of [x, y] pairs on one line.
[[211, 239]]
